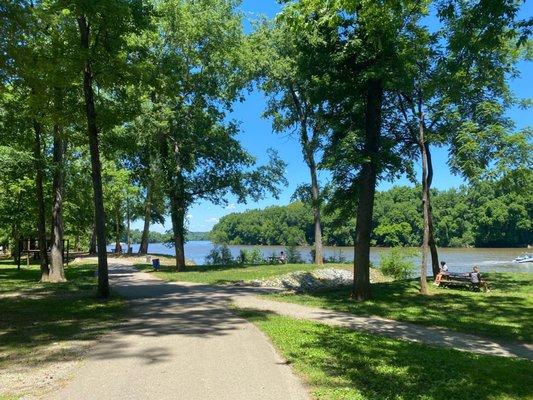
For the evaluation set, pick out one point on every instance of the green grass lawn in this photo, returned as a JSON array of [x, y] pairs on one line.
[[34, 315], [505, 312], [343, 364], [218, 275]]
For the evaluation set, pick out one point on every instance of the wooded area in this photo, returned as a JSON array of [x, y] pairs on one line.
[[483, 215], [136, 98]]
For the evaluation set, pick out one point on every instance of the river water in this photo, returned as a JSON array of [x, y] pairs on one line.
[[458, 259]]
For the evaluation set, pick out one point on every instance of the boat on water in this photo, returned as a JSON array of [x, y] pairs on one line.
[[524, 258]]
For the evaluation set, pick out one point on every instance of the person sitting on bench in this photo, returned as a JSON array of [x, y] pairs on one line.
[[443, 271], [476, 280], [282, 259]]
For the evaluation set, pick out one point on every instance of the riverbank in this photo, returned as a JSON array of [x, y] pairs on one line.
[[458, 259], [237, 274]]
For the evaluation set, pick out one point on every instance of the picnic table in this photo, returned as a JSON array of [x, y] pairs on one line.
[[462, 280], [276, 260]]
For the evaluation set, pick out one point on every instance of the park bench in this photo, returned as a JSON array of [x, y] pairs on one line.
[[462, 280]]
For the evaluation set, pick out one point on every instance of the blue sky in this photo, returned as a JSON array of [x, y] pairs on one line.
[[257, 136]]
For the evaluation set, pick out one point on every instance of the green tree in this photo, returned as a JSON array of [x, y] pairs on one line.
[[105, 48], [290, 106], [360, 51], [201, 56]]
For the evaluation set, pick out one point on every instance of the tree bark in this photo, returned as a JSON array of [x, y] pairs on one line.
[[57, 273], [96, 167], [309, 148], [177, 214], [41, 219], [143, 248], [367, 191], [431, 240], [315, 198], [118, 246], [92, 243], [128, 228], [425, 204]]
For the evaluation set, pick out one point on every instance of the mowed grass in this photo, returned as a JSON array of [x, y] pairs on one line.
[[34, 315], [504, 313], [219, 275], [342, 364]]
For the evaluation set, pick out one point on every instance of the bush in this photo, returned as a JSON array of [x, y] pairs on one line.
[[336, 258], [254, 257], [220, 255], [398, 263], [293, 255]]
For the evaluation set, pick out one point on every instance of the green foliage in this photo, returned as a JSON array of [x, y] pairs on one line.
[[485, 214], [275, 225], [220, 255], [251, 257], [293, 255], [398, 263]]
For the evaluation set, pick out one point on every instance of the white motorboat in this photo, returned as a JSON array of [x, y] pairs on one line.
[[524, 258]]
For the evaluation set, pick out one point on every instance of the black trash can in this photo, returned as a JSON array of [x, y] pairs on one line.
[[155, 264]]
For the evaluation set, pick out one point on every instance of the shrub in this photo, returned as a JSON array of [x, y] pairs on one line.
[[220, 255], [293, 255], [254, 257], [336, 258], [398, 263]]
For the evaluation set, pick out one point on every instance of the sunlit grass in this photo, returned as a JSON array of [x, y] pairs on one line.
[[505, 312], [223, 274], [342, 364]]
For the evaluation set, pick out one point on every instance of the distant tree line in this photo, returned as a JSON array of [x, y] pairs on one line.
[[163, 237], [482, 215]]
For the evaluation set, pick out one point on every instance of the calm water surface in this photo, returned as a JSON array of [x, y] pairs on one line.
[[458, 259]]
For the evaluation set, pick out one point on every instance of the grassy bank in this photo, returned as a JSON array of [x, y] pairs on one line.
[[219, 275], [343, 364], [504, 313], [39, 322]]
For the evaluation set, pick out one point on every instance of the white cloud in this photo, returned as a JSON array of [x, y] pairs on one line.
[[189, 216], [212, 220], [231, 206]]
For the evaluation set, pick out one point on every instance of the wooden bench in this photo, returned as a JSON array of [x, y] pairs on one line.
[[463, 280]]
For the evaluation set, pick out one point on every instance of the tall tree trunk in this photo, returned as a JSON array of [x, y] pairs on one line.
[[367, 191], [15, 251], [177, 214], [96, 167], [309, 149], [143, 248], [41, 219], [57, 273], [431, 240], [118, 246], [425, 204], [315, 198], [92, 243], [128, 228]]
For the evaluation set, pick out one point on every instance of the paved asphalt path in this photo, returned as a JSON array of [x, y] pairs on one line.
[[180, 342]]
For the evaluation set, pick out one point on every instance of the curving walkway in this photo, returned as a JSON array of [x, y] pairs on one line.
[[391, 328], [180, 342]]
